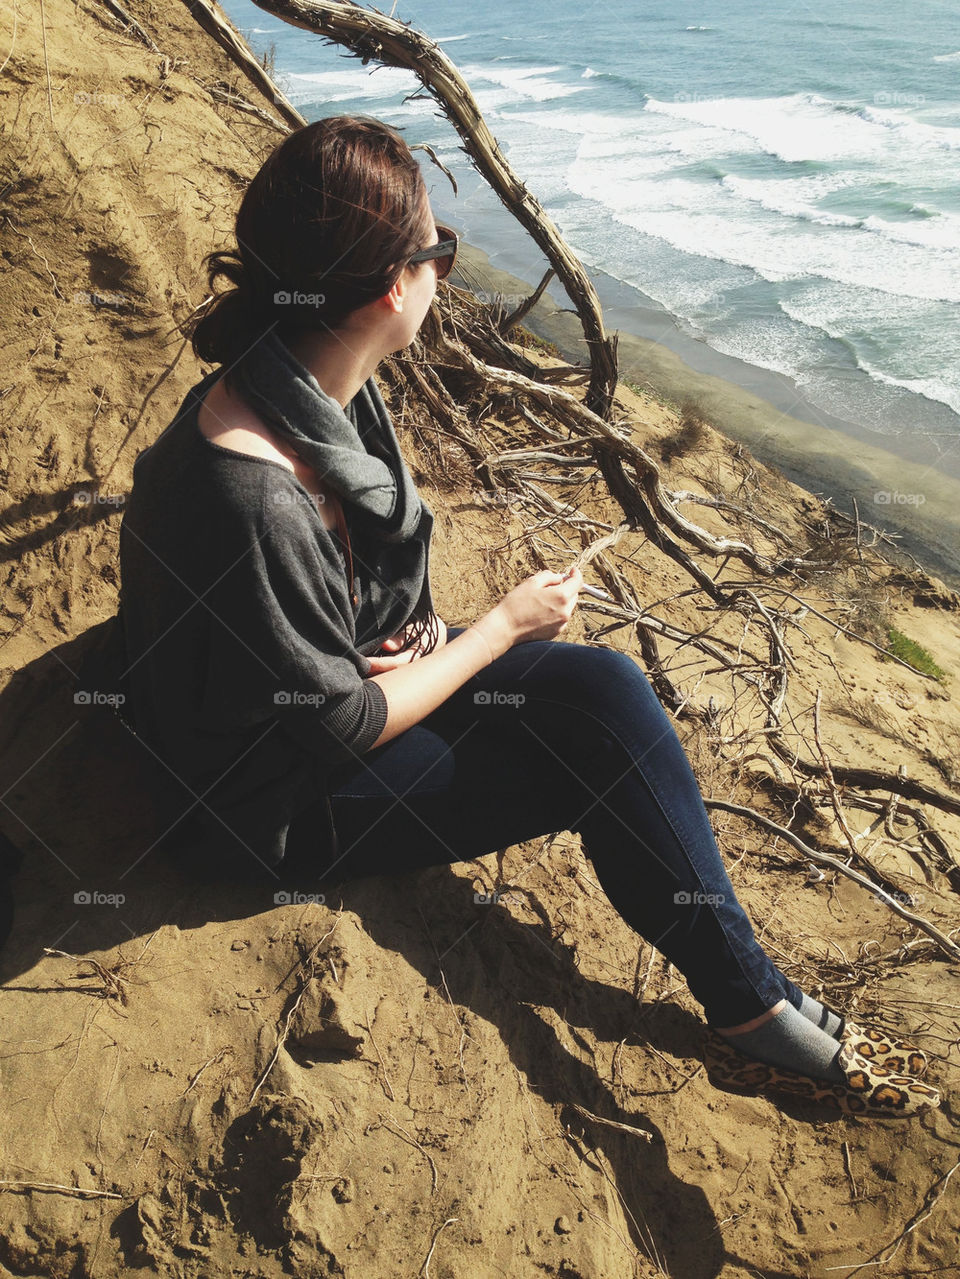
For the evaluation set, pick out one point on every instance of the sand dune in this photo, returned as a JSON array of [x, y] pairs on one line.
[[199, 1080]]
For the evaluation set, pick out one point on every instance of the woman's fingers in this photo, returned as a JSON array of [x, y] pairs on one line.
[[380, 664], [389, 657]]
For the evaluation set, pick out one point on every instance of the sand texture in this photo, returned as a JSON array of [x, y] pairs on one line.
[[198, 1081]]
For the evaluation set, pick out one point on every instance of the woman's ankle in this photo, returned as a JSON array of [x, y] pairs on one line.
[[789, 1041], [752, 1025]]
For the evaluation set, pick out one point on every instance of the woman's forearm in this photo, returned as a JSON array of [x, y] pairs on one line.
[[417, 688]]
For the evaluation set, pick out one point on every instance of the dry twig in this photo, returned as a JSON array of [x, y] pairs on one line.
[[945, 943], [886, 1254], [78, 1191], [402, 1132], [304, 975], [425, 1268], [131, 24], [114, 986], [610, 1123]]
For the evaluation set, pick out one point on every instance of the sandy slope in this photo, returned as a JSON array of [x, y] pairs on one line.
[[424, 1095]]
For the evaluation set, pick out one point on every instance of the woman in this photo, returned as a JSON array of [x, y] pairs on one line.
[[284, 660]]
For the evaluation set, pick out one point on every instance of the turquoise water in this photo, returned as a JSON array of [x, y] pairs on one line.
[[782, 184]]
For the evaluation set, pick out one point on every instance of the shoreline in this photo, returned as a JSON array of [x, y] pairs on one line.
[[904, 495]]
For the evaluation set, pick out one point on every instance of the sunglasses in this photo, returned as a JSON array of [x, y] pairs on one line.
[[444, 251]]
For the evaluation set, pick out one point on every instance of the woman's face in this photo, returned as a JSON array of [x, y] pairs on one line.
[[421, 280]]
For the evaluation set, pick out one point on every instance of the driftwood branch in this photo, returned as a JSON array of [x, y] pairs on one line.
[[872, 779], [236, 49], [55, 1188], [425, 146], [844, 630], [629, 1129], [131, 24], [526, 306], [612, 444], [220, 93]]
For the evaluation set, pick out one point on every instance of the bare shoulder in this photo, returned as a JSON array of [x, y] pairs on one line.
[[229, 422]]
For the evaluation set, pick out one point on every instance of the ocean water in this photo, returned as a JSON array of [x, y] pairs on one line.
[[781, 182]]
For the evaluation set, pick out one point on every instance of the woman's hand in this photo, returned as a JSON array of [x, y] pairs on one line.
[[385, 661], [538, 609]]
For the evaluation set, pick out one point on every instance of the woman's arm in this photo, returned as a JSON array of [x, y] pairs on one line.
[[416, 688], [539, 608]]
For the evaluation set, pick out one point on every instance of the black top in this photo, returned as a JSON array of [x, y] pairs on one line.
[[237, 636]]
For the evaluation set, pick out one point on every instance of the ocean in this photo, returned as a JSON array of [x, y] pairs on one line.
[[779, 184]]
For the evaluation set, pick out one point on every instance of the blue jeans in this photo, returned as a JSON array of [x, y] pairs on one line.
[[556, 736]]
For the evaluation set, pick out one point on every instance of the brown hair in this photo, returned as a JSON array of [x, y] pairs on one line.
[[324, 227]]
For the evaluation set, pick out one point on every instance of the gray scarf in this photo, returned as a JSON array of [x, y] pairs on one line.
[[356, 451]]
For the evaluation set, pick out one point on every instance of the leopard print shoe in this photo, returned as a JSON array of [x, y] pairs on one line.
[[865, 1091], [887, 1056]]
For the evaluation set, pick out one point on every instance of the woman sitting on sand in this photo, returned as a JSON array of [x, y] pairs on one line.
[[284, 659]]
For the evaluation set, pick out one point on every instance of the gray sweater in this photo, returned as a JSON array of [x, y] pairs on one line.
[[244, 670]]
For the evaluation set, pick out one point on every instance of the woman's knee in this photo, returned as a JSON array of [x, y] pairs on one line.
[[607, 676], [606, 689], [618, 708]]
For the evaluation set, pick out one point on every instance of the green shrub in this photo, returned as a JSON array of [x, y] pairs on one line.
[[524, 337], [909, 650]]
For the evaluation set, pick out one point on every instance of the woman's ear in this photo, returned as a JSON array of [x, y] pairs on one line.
[[394, 300]]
